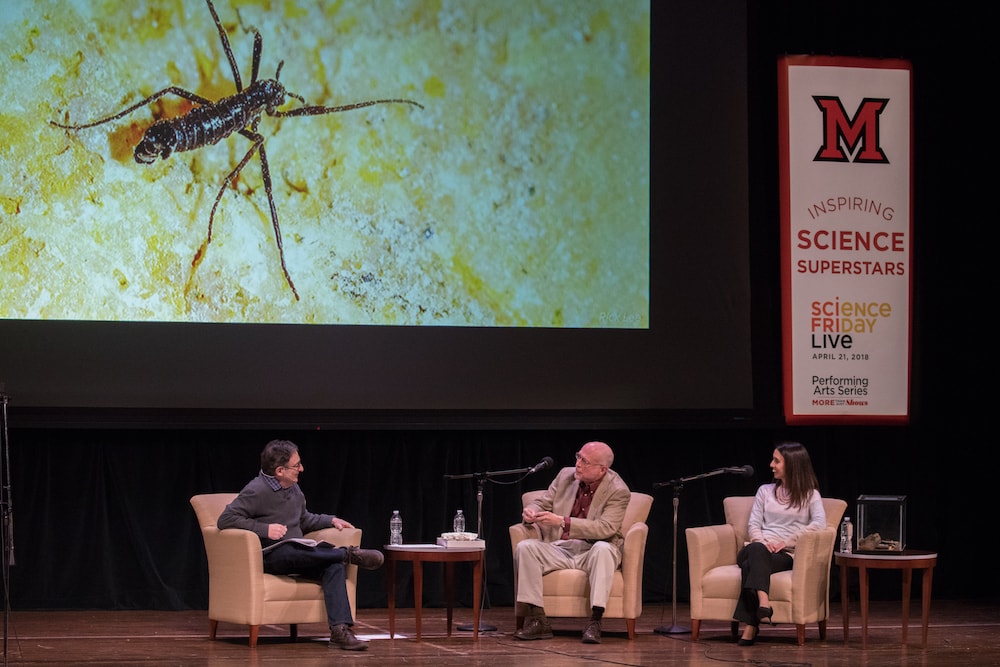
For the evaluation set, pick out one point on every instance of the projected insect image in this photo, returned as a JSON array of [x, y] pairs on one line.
[[460, 163]]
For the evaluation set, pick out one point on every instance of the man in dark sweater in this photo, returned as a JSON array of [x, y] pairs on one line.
[[272, 506]]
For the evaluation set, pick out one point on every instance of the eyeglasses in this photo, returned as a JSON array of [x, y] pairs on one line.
[[298, 466], [585, 462]]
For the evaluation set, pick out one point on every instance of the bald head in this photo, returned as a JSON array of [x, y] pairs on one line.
[[598, 452]]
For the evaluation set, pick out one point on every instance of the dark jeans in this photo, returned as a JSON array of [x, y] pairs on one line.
[[757, 565], [324, 563]]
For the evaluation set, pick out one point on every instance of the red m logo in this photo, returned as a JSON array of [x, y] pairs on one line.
[[839, 131]]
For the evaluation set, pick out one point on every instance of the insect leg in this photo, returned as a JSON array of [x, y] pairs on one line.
[[258, 43], [258, 146], [226, 47], [180, 92], [231, 177], [266, 172]]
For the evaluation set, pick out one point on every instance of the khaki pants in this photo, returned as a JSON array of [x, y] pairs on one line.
[[534, 558]]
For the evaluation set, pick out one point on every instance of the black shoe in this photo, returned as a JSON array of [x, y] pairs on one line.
[[748, 642], [765, 614], [592, 633], [535, 627], [341, 636], [366, 559]]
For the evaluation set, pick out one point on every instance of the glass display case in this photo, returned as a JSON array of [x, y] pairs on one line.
[[881, 527]]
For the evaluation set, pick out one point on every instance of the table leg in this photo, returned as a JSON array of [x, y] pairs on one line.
[[925, 610], [845, 601], [477, 595], [863, 586], [907, 581], [390, 587], [418, 592], [449, 591]]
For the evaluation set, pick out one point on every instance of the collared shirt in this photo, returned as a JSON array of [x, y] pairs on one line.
[[581, 506], [271, 480]]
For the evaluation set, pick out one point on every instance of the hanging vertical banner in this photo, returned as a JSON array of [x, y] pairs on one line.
[[846, 160]]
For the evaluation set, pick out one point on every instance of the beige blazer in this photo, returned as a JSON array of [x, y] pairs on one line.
[[607, 508]]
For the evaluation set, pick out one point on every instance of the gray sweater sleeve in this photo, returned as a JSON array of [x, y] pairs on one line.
[[248, 510]]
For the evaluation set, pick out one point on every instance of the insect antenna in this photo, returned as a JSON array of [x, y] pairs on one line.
[[321, 110]]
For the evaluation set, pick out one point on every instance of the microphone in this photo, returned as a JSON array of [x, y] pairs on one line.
[[742, 471], [546, 462]]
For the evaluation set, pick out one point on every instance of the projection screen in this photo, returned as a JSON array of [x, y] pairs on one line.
[[425, 206]]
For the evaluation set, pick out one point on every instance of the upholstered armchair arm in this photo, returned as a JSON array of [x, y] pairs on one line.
[[522, 531], [709, 547], [235, 566], [811, 575], [234, 551], [632, 561]]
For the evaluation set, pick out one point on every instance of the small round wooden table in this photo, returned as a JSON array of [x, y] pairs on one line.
[[419, 554], [907, 561]]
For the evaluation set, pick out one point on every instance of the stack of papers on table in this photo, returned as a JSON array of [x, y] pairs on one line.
[[461, 541]]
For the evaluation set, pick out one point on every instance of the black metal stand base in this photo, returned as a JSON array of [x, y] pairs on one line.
[[671, 630], [469, 627]]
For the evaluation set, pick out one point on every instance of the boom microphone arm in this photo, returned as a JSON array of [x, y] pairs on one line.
[[742, 471]]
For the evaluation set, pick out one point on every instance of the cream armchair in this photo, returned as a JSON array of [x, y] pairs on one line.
[[566, 593], [238, 589], [800, 595]]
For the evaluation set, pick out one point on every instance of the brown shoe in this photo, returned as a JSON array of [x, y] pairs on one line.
[[341, 636], [535, 627], [592, 633], [366, 559]]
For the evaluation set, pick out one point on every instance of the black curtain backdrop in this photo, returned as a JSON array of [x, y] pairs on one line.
[[102, 518]]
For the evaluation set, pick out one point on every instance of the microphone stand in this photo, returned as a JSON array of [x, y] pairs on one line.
[[481, 478], [7, 535], [678, 484]]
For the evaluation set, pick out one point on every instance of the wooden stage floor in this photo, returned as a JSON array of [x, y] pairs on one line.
[[961, 634]]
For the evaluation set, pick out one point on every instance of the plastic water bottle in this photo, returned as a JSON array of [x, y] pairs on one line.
[[396, 528], [459, 523], [846, 536]]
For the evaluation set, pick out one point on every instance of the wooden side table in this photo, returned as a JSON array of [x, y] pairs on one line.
[[419, 554], [907, 561]]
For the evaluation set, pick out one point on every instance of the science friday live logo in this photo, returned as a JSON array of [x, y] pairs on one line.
[[834, 323]]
